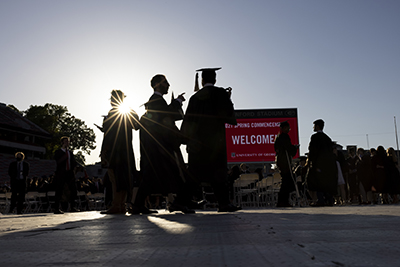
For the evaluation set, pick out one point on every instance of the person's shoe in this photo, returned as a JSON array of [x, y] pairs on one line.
[[58, 211], [140, 210], [113, 210], [229, 208], [75, 210], [284, 205], [177, 207]]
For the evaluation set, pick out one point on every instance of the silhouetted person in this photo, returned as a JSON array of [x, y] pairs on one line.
[[285, 151], [378, 163], [65, 175], [392, 175], [364, 175], [161, 161], [117, 151], [18, 171], [352, 175], [300, 174], [233, 174], [204, 127], [322, 174], [244, 168]]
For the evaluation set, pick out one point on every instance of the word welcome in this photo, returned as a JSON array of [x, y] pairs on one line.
[[253, 139]]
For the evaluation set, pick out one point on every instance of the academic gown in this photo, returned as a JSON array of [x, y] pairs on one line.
[[161, 158], [117, 146], [392, 185], [204, 130], [322, 174], [285, 151], [378, 164], [364, 171]]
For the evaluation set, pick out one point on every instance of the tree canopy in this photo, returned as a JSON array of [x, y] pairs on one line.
[[56, 120]]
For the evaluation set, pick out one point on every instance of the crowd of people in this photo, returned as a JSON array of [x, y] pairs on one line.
[[46, 184], [325, 175], [162, 169]]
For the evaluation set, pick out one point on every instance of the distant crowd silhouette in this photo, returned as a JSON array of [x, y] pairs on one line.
[[325, 177]]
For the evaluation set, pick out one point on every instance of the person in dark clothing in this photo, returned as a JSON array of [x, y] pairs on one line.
[[364, 175], [204, 130], [117, 151], [18, 171], [233, 174], [65, 175], [378, 162], [300, 173], [322, 173], [392, 175], [285, 151], [161, 160], [352, 176]]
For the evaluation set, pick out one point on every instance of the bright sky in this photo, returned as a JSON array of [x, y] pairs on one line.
[[335, 60]]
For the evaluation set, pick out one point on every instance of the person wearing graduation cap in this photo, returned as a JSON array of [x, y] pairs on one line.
[[203, 128], [285, 151]]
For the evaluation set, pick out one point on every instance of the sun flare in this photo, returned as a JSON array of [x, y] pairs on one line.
[[124, 108]]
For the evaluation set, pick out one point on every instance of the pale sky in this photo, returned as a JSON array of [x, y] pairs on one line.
[[335, 60]]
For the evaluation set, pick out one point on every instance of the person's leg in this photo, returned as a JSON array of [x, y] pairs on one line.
[[119, 198], [21, 195], [362, 193], [221, 191], [59, 181], [287, 186], [73, 191], [14, 196], [343, 193]]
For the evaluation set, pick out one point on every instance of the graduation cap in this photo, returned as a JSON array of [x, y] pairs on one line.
[[206, 74], [209, 69]]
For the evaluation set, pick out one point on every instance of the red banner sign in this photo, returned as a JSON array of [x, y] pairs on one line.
[[252, 139]]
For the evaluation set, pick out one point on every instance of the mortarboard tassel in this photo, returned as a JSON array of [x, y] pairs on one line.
[[196, 83]]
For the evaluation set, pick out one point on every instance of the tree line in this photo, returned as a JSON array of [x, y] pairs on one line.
[[58, 122]]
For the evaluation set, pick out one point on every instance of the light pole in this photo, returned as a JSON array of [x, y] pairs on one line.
[[397, 139]]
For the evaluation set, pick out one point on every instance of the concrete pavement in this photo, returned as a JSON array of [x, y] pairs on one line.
[[326, 236]]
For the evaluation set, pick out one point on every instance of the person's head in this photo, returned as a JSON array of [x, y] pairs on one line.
[[243, 167], [160, 84], [372, 151], [19, 156], [284, 127], [390, 151], [319, 125], [380, 151], [352, 152], [208, 76], [64, 141], [117, 97], [360, 151]]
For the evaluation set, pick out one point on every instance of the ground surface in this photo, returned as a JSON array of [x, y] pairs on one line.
[[326, 236]]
